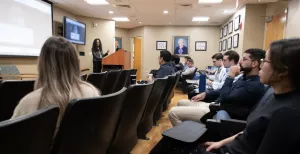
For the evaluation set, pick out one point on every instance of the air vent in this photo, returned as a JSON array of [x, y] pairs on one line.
[[124, 6], [187, 6], [119, 1]]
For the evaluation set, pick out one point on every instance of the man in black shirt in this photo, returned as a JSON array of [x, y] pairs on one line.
[[166, 68]]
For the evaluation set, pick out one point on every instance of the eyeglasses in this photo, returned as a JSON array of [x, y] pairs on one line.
[[264, 61]]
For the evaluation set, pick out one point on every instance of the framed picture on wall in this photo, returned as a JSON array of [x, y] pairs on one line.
[[118, 43], [237, 21], [235, 40], [220, 46], [225, 30], [229, 43], [200, 46], [161, 45], [224, 45], [181, 45], [221, 33], [230, 27]]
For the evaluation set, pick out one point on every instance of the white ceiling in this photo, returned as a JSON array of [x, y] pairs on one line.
[[150, 12]]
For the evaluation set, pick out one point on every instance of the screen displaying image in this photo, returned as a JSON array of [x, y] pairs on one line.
[[21, 34], [74, 31]]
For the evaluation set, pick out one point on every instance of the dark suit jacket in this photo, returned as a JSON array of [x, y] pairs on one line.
[[185, 50]]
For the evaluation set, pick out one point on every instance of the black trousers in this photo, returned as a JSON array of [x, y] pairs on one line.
[[97, 66]]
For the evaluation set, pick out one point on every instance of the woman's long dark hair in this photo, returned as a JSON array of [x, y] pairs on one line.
[[95, 47], [285, 55]]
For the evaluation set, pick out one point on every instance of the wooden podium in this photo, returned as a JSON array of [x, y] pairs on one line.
[[120, 58]]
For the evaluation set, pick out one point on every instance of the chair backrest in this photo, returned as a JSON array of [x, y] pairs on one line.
[[11, 92], [132, 77], [88, 125], [134, 104], [111, 82], [146, 122], [83, 77], [123, 79], [32, 133], [97, 79], [159, 107], [170, 93]]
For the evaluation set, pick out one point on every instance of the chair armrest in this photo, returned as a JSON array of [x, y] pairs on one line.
[[225, 128], [215, 107]]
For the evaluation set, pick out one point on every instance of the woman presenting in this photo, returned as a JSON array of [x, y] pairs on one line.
[[98, 55]]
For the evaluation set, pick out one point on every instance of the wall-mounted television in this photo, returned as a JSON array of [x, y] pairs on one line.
[[74, 31]]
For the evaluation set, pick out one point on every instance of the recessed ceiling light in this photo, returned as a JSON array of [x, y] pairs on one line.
[[110, 12], [169, 22], [121, 19], [225, 11], [140, 22], [200, 19], [97, 2], [166, 12], [210, 1]]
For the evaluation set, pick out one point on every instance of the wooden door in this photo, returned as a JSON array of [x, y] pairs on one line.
[[137, 56], [275, 29]]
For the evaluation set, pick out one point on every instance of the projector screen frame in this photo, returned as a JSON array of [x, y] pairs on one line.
[[24, 56], [64, 30]]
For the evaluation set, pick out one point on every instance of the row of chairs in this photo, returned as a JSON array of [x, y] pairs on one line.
[[111, 81], [107, 124]]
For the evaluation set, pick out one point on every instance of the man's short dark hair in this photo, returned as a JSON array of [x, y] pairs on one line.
[[166, 55], [217, 56], [232, 55], [187, 57], [191, 61], [176, 59], [256, 54]]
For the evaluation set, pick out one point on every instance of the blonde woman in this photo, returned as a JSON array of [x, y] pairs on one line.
[[58, 81]]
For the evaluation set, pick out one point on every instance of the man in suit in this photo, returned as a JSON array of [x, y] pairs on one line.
[[181, 49]]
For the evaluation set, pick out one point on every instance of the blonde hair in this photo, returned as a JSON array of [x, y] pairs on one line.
[[59, 73]]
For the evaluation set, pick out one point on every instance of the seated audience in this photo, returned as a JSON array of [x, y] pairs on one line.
[[279, 70], [191, 68], [186, 62], [166, 68], [245, 92], [230, 58], [177, 64], [216, 82], [58, 79]]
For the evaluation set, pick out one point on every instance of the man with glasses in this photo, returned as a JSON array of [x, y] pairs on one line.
[[243, 93]]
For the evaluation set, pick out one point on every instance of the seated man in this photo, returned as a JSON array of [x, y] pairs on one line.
[[245, 92], [190, 69], [230, 58], [166, 68], [218, 79]]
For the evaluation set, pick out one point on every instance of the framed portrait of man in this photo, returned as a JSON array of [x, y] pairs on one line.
[[118, 43], [181, 45]]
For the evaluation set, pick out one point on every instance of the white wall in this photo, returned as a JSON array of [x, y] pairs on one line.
[[163, 33], [242, 13], [123, 33], [293, 20], [254, 27]]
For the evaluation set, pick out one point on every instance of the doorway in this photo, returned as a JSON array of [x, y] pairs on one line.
[[137, 55], [275, 29]]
